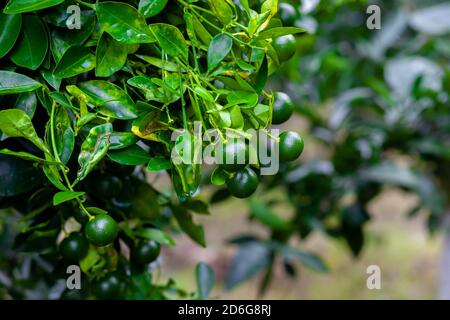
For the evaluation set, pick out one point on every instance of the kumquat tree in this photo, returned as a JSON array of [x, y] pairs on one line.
[[224, 149]]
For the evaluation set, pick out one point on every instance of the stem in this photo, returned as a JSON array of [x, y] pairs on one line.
[[89, 5], [193, 6], [183, 102], [277, 139], [56, 156], [196, 105], [52, 133], [196, 76], [219, 29]]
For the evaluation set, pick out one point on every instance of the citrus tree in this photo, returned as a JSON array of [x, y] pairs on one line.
[[94, 98]]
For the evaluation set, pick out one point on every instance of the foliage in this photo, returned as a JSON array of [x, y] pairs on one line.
[[87, 113]]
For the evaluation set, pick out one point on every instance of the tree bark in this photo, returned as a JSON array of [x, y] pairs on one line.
[[444, 281]]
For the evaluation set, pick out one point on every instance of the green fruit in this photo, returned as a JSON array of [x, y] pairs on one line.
[[101, 231], [75, 247], [285, 46], [107, 186], [291, 146], [283, 108], [108, 287], [80, 216], [287, 13], [243, 183], [147, 252], [235, 156]]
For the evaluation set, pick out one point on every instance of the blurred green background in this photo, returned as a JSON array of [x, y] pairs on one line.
[[354, 87]]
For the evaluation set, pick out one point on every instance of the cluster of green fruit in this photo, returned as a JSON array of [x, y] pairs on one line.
[[101, 231], [242, 181]]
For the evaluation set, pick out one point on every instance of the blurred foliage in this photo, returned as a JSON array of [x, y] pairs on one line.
[[376, 103]]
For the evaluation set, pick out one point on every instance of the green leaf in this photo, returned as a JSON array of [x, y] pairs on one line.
[[64, 134], [75, 61], [16, 123], [18, 176], [219, 177], [159, 164], [44, 99], [51, 79], [309, 260], [243, 85], [65, 196], [201, 31], [61, 99], [245, 5], [139, 286], [270, 5], [205, 277], [122, 140], [25, 156], [52, 174], [58, 45], [204, 94], [92, 258], [221, 10], [245, 65], [150, 8], [110, 99], [111, 56], [148, 87], [19, 6], [250, 260], [170, 39], [190, 29], [145, 200], [76, 37], [431, 146], [32, 45], [262, 113], [27, 102], [10, 25], [218, 50], [263, 74], [237, 119], [123, 22], [96, 211], [278, 32], [157, 62], [197, 206], [156, 235], [393, 174], [258, 55], [245, 99], [93, 149], [194, 231], [267, 216], [186, 180], [258, 21], [88, 117], [131, 156]]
